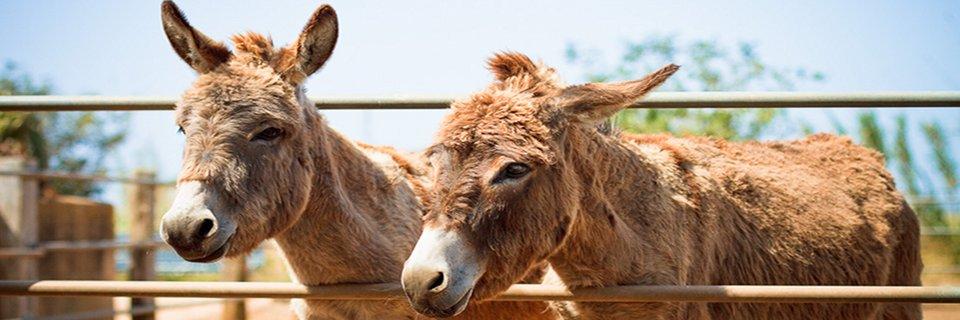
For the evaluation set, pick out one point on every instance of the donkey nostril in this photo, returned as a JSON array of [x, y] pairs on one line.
[[438, 283], [207, 228]]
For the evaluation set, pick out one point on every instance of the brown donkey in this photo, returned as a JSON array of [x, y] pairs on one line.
[[261, 163], [524, 175]]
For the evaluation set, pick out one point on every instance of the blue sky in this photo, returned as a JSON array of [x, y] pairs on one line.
[[438, 47]]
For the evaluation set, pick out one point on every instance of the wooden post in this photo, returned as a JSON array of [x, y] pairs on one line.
[[234, 269], [142, 259], [19, 198]]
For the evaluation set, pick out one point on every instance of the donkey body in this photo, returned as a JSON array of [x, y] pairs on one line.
[[261, 163], [524, 176], [816, 211]]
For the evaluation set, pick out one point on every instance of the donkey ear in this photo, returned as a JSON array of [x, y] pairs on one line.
[[313, 47], [195, 48], [595, 102]]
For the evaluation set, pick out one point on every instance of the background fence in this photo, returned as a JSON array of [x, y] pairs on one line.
[[23, 247]]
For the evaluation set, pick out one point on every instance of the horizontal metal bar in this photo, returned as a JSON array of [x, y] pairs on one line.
[[937, 231], [79, 177], [801, 99], [47, 247], [950, 270], [657, 100], [21, 252], [940, 234], [392, 291], [69, 246]]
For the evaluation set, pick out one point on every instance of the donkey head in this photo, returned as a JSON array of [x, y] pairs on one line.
[[247, 167], [505, 194]]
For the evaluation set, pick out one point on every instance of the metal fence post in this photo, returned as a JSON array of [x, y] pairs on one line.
[[142, 257]]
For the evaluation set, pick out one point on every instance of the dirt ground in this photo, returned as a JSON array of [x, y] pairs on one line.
[[941, 312]]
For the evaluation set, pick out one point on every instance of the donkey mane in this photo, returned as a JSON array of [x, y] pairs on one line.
[[256, 45]]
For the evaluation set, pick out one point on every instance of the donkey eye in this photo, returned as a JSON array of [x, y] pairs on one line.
[[512, 171], [268, 134]]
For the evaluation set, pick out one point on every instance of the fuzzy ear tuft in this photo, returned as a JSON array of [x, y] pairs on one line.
[[195, 48], [595, 102], [313, 47], [510, 64]]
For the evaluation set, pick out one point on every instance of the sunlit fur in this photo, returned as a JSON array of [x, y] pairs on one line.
[[340, 211], [609, 209]]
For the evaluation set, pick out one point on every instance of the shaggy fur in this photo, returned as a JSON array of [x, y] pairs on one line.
[[609, 209], [341, 212]]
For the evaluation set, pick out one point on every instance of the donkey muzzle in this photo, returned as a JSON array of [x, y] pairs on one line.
[[191, 227], [439, 276]]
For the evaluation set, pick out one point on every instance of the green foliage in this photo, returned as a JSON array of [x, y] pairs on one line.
[[19, 132], [901, 149], [837, 125], [871, 134], [58, 141], [941, 153], [13, 82], [706, 66], [81, 142]]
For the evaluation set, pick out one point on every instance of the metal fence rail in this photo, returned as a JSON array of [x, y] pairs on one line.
[[74, 246], [654, 100], [523, 292], [81, 177]]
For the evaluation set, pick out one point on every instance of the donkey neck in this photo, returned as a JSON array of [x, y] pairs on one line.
[[622, 205], [339, 236]]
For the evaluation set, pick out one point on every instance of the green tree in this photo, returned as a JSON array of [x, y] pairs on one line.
[[946, 166], [77, 142], [706, 66]]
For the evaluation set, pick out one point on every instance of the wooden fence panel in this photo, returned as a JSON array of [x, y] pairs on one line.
[[69, 218]]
